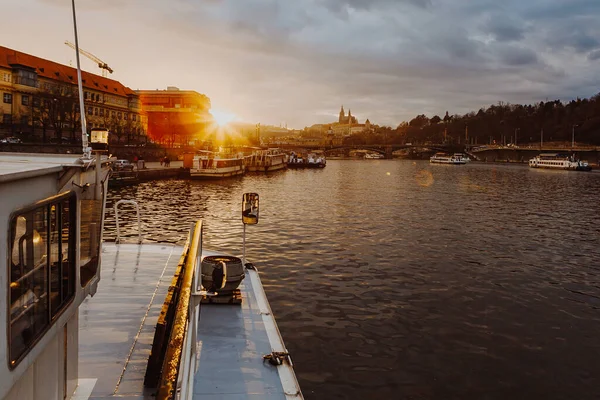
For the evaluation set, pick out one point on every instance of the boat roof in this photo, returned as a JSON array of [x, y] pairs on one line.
[[115, 341], [15, 166]]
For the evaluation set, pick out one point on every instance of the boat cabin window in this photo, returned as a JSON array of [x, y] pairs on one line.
[[92, 211], [41, 270]]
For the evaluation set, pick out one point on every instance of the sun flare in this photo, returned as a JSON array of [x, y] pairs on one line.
[[222, 118]]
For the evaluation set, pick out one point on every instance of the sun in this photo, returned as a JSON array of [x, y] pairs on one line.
[[222, 118]]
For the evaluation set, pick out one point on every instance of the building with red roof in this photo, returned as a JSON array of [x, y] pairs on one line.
[[39, 101]]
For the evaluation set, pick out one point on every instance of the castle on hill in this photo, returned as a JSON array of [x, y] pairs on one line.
[[346, 120]]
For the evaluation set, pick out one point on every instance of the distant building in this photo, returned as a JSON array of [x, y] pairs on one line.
[[176, 117], [40, 101], [346, 120]]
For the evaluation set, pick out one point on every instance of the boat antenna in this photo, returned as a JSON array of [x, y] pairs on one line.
[[87, 151]]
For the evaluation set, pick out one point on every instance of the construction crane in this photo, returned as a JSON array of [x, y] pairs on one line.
[[101, 64]]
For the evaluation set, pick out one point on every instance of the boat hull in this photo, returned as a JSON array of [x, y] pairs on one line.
[[305, 165], [449, 162], [216, 173], [268, 168], [567, 168]]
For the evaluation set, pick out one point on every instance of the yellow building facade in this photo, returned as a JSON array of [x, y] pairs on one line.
[[39, 102]]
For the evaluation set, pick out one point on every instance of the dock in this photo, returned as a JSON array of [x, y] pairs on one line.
[[152, 171]]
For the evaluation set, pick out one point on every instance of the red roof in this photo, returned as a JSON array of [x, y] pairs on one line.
[[58, 72]]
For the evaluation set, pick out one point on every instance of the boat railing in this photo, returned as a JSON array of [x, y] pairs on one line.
[[174, 350], [137, 211]]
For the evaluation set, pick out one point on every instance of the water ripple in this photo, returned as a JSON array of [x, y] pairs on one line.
[[395, 279]]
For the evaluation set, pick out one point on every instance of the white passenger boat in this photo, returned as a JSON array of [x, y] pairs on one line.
[[314, 160], [374, 156], [265, 161], [442, 158], [209, 165], [559, 161], [465, 157]]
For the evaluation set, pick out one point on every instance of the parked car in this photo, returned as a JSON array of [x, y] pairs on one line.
[[11, 139], [63, 140], [122, 165]]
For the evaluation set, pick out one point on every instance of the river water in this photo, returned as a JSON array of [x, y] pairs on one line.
[[394, 279]]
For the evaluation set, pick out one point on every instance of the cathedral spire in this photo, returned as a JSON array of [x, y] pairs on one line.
[[342, 115]]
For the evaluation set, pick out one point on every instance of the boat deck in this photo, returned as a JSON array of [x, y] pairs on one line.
[[117, 328]]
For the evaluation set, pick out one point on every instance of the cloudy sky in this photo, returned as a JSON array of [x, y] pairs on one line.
[[297, 61]]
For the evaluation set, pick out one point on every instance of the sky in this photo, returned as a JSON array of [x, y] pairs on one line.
[[296, 62]]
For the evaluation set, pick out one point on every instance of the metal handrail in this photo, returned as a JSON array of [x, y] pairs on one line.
[[137, 210], [179, 364]]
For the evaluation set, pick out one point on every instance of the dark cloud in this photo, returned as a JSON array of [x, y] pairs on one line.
[[517, 56], [388, 60], [581, 36], [504, 28], [342, 5], [594, 55]]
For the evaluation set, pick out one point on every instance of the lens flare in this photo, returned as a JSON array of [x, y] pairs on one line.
[[222, 118]]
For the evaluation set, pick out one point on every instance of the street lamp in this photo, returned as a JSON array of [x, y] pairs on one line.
[[573, 136], [516, 131]]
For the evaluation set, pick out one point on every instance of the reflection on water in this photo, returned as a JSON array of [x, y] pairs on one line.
[[394, 279]]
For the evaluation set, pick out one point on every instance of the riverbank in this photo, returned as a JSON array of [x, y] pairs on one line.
[[150, 172]]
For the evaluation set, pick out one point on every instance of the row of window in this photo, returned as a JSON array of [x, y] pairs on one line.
[[27, 100], [544, 162], [106, 98], [42, 272], [96, 111]]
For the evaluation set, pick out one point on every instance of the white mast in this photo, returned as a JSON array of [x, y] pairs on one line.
[[87, 151]]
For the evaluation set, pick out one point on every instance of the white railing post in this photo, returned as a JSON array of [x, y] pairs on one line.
[[137, 210]]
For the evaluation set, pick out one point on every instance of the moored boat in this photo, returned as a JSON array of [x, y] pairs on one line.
[[443, 158], [265, 161], [53, 208], [559, 161], [374, 156], [50, 235], [313, 160], [209, 165]]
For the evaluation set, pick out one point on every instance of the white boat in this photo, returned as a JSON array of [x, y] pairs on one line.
[[209, 165], [465, 157], [265, 161], [314, 160], [374, 156], [50, 235], [442, 158], [559, 161], [51, 238]]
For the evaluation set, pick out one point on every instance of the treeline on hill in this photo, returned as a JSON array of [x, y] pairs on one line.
[[499, 123]]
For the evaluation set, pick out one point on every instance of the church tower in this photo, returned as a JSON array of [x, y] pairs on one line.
[[349, 117], [342, 115]]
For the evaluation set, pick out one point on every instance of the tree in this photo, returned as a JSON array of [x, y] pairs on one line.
[[435, 120]]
